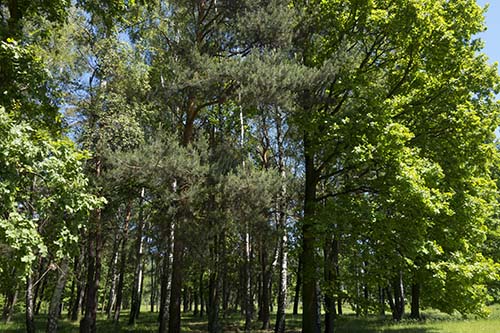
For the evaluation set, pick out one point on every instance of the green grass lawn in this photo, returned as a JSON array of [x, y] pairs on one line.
[[435, 323]]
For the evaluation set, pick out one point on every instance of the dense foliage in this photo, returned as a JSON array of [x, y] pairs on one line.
[[214, 156]]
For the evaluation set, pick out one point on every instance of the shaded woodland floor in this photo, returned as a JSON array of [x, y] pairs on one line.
[[434, 322]]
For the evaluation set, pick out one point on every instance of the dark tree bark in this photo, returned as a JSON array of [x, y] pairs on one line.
[[330, 281], [390, 299], [123, 261], [265, 294], [298, 287], [55, 302], [214, 325], [165, 282], [10, 302], [174, 321], [399, 298], [154, 284], [88, 322], [138, 276], [225, 284], [282, 284], [77, 297], [113, 277], [185, 299], [311, 322], [39, 288], [202, 295], [381, 298], [415, 301], [30, 315]]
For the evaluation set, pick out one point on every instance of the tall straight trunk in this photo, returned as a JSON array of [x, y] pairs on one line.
[[311, 322], [415, 301], [214, 278], [390, 299], [77, 297], [138, 276], [174, 322], [381, 298], [123, 262], [399, 298], [225, 284], [196, 300], [94, 248], [282, 284], [39, 288], [55, 301], [113, 277], [30, 315], [330, 281], [202, 299], [336, 254], [248, 284], [88, 322], [9, 305], [165, 280], [298, 287], [152, 295], [214, 325], [283, 242], [265, 294], [10, 301], [164, 295]]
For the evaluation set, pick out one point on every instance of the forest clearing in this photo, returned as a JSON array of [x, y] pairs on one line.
[[242, 165], [434, 322]]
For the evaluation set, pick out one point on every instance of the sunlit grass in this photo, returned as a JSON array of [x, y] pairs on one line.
[[434, 322]]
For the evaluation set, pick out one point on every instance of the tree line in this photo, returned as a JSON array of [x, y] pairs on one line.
[[220, 157]]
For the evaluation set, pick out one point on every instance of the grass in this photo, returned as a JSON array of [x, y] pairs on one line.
[[435, 322]]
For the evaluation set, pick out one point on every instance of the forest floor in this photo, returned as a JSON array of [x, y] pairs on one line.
[[434, 322]]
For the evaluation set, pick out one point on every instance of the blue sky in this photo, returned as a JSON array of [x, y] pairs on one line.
[[492, 36]]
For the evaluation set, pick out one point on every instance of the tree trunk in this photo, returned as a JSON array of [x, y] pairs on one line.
[[185, 299], [113, 277], [283, 243], [213, 302], [298, 286], [225, 284], [330, 281], [153, 278], [202, 299], [123, 261], [248, 284], [282, 284], [399, 298], [77, 299], [390, 299], [174, 322], [88, 322], [165, 281], [30, 315], [310, 317], [214, 280], [266, 284], [138, 276], [10, 302], [381, 301], [55, 302], [415, 301], [39, 288]]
